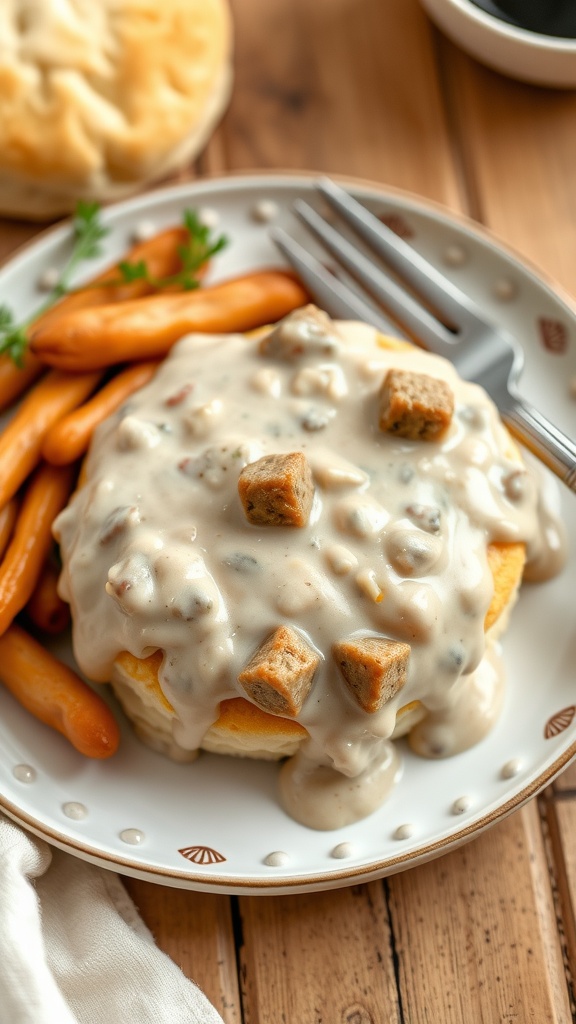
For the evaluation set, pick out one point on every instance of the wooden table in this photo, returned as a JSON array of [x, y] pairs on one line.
[[487, 933]]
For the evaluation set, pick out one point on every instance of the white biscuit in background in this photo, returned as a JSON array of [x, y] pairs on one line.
[[100, 97]]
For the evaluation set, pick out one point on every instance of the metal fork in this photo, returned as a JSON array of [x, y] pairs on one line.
[[481, 351]]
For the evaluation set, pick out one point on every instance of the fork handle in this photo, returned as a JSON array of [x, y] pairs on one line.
[[542, 438]]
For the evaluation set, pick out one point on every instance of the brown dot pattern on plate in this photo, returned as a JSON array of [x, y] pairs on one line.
[[553, 335], [559, 722], [398, 224], [202, 855]]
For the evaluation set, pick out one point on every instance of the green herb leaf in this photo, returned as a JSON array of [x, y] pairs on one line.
[[13, 339], [133, 271], [6, 318], [196, 251], [200, 246], [88, 234]]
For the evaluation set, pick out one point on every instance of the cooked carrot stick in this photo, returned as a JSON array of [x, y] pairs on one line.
[[46, 608], [7, 519], [69, 438], [15, 380], [161, 255], [21, 441], [56, 695], [45, 496], [162, 258], [147, 328]]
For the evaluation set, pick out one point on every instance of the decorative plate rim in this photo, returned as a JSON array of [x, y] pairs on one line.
[[237, 181], [229, 884]]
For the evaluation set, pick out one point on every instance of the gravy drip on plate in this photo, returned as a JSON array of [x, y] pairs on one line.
[[158, 554]]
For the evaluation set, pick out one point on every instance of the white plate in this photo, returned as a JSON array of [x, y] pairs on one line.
[[213, 825]]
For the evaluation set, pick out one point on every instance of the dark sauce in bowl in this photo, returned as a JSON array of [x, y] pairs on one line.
[[545, 17]]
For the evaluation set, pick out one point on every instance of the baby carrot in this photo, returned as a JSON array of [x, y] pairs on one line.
[[15, 380], [69, 438], [7, 519], [45, 496], [146, 328], [56, 695], [46, 609], [161, 256], [21, 440]]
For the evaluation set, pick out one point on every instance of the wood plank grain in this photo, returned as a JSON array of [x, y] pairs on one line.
[[475, 932], [567, 781], [13, 234], [343, 86], [196, 931], [518, 160], [290, 94], [319, 958], [352, 87], [559, 820]]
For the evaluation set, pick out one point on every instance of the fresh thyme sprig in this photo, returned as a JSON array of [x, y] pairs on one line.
[[13, 339], [199, 248], [88, 234]]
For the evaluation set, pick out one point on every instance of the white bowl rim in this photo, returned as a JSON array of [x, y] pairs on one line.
[[558, 44]]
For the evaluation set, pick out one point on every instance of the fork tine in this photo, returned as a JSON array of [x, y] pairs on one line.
[[480, 351], [330, 292], [403, 306], [409, 264]]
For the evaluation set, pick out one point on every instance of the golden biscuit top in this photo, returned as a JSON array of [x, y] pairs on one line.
[[98, 96]]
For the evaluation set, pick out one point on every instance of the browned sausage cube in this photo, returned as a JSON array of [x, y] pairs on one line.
[[374, 669], [415, 406], [279, 676], [277, 490]]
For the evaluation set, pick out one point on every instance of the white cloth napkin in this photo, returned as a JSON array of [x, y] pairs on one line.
[[74, 950]]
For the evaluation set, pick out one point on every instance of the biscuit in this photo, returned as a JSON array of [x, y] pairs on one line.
[[358, 666], [242, 729], [98, 99]]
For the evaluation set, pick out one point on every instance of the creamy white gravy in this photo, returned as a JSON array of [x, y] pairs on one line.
[[158, 554]]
